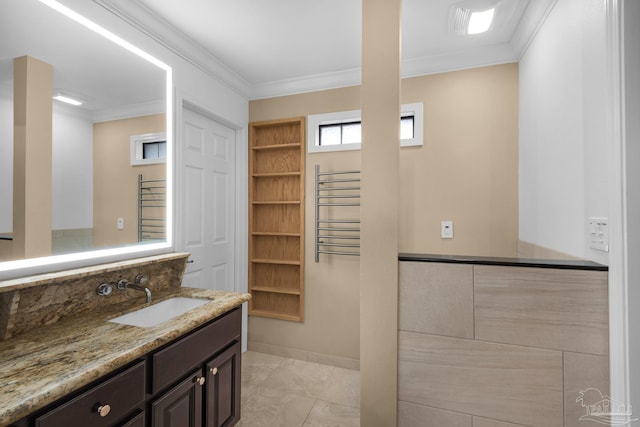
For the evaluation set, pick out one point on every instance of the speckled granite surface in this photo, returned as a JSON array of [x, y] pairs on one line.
[[32, 302], [48, 362]]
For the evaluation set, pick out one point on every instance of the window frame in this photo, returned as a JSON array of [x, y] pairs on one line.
[[343, 117], [137, 148]]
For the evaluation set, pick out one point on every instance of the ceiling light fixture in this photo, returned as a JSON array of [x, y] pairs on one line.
[[480, 22], [68, 100]]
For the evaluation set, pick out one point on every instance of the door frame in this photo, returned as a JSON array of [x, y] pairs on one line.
[[241, 242]]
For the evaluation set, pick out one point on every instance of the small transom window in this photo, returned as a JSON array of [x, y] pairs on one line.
[[343, 130], [149, 148]]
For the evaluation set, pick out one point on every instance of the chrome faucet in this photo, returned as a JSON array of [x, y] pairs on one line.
[[140, 280]]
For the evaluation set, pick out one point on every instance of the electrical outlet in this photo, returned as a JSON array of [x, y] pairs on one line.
[[446, 229], [120, 224]]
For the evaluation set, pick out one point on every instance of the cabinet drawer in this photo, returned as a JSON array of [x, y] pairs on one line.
[[122, 393], [175, 361]]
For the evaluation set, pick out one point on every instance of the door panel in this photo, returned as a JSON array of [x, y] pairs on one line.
[[208, 229], [181, 406]]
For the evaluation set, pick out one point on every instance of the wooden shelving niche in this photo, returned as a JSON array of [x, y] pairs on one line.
[[276, 219]]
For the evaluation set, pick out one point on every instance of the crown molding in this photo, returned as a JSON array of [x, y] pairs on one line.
[[148, 22], [124, 112], [313, 83], [459, 60], [532, 20]]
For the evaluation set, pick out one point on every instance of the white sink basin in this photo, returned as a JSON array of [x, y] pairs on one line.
[[160, 312]]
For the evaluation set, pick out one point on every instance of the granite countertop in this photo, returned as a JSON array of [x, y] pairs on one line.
[[47, 363], [505, 261]]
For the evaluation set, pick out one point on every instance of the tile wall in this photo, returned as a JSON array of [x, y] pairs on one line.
[[498, 346]]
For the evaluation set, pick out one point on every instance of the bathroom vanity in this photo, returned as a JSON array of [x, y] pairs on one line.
[[193, 380], [85, 370]]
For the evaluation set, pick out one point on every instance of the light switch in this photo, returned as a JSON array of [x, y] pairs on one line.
[[446, 229], [120, 223], [599, 233]]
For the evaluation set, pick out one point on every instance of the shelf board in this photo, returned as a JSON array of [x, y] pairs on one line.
[[274, 174], [273, 290], [274, 315], [274, 233], [276, 202], [275, 261], [276, 146]]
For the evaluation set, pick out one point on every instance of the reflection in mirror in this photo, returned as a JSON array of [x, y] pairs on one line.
[[67, 182]]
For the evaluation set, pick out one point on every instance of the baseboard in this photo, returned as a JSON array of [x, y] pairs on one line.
[[309, 356]]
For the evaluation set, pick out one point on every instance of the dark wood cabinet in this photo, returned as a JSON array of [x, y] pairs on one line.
[[222, 390], [137, 420], [193, 381], [104, 405], [182, 405]]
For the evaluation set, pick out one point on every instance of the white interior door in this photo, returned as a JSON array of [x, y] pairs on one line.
[[208, 202]]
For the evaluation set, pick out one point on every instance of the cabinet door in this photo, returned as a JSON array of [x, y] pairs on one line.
[[137, 421], [181, 406], [222, 393]]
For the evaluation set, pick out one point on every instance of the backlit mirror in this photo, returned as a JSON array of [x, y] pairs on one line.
[[108, 182]]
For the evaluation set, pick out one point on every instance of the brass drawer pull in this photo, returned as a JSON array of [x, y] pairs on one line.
[[104, 410]]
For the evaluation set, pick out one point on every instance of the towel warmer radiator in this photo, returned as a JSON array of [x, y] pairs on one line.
[[152, 203], [337, 223]]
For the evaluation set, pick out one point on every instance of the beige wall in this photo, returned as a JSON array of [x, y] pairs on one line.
[[379, 201], [32, 136], [115, 181], [467, 171]]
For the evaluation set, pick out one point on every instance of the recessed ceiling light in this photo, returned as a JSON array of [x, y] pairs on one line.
[[67, 100], [479, 22]]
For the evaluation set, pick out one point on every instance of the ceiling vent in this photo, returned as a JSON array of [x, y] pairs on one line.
[[463, 12], [459, 20]]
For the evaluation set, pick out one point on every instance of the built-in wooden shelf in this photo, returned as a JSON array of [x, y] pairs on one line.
[[276, 290], [275, 261], [276, 219], [274, 174], [269, 233], [276, 202], [274, 315], [277, 146]]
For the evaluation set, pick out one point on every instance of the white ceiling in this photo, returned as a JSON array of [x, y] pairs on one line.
[[86, 65], [276, 47], [260, 48]]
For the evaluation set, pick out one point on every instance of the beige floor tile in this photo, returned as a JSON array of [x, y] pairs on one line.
[[413, 415], [298, 377], [343, 386], [256, 367], [266, 408], [329, 414], [246, 391]]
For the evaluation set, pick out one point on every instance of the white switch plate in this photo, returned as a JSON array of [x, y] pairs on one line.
[[446, 229], [599, 233], [120, 223]]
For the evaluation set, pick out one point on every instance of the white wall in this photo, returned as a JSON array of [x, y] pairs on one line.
[[72, 183], [72, 170], [564, 156], [6, 164], [632, 142]]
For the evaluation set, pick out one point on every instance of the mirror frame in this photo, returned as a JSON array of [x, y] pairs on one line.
[[31, 266]]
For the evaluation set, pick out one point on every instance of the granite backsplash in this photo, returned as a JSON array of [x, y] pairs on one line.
[[35, 301]]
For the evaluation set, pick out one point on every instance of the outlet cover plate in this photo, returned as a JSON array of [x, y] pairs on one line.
[[446, 229]]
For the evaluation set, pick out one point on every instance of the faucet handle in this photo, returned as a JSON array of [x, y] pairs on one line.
[[140, 279], [122, 284], [104, 289]]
